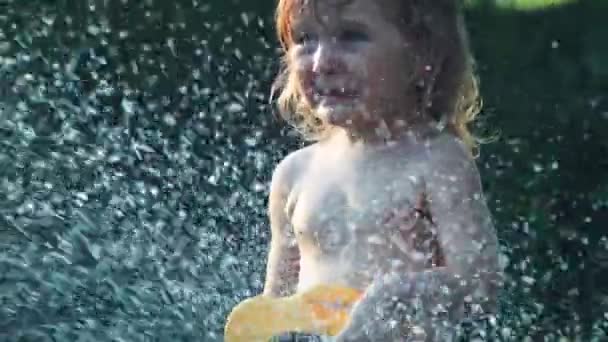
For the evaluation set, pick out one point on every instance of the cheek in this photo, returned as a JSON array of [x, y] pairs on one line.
[[379, 85], [387, 84], [389, 74], [301, 69]]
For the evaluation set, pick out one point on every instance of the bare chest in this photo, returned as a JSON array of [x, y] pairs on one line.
[[369, 212]]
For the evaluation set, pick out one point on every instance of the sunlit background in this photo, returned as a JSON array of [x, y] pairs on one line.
[[138, 142]]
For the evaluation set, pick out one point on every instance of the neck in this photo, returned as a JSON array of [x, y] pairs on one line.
[[383, 134]]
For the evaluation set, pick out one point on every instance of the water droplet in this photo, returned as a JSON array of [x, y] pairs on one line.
[[93, 29], [127, 106], [528, 280], [234, 107], [169, 119]]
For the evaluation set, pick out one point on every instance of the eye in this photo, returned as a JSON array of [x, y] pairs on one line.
[[353, 36], [304, 38]]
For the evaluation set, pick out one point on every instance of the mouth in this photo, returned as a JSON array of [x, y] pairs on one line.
[[333, 93], [338, 94]]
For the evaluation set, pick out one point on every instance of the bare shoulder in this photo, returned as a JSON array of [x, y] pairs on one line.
[[281, 274], [449, 159], [446, 147], [289, 169]]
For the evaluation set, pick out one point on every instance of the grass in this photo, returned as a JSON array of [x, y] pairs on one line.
[[522, 5]]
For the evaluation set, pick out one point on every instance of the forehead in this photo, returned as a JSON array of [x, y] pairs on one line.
[[327, 11]]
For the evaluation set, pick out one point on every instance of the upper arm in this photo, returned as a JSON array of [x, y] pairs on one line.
[[464, 224], [283, 256]]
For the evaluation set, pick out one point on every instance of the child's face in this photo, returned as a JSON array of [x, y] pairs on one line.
[[352, 65]]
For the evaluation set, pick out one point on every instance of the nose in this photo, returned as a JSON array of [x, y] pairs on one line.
[[326, 59]]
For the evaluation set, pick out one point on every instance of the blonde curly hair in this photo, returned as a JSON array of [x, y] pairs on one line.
[[450, 93]]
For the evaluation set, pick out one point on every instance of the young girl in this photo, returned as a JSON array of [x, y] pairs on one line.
[[387, 199]]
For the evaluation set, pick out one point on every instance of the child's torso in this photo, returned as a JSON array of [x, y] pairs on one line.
[[340, 209]]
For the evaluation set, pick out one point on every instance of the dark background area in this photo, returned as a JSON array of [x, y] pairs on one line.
[[138, 143]]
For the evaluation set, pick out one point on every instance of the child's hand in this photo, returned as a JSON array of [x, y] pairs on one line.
[[295, 337], [284, 337]]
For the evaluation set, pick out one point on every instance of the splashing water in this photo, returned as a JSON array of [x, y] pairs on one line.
[[137, 147]]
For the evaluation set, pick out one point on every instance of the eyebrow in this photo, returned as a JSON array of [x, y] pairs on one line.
[[353, 23], [301, 25], [350, 23]]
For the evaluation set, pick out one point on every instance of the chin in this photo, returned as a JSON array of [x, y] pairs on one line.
[[340, 115]]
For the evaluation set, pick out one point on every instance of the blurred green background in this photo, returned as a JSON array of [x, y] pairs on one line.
[[138, 142]]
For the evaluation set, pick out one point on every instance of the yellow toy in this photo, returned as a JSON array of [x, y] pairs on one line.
[[323, 310]]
